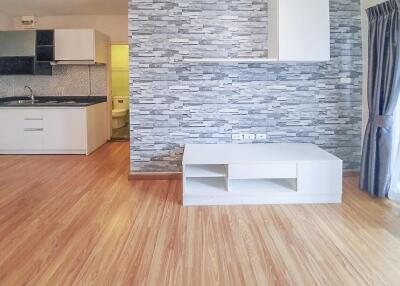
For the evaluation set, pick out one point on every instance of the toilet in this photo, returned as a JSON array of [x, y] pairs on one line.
[[120, 111]]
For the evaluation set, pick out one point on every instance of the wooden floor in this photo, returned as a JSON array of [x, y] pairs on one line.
[[75, 220]]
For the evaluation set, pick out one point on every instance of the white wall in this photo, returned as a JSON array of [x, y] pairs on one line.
[[115, 26], [364, 26], [6, 22]]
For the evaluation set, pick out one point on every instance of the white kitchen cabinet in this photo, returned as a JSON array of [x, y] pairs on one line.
[[53, 130], [80, 46], [65, 129], [299, 30]]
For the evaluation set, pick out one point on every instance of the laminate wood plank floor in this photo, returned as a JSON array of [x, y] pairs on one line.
[[76, 220]]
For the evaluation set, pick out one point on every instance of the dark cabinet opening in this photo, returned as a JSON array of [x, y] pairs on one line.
[[17, 65], [44, 52]]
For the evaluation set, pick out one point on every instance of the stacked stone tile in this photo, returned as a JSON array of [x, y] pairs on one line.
[[175, 102]]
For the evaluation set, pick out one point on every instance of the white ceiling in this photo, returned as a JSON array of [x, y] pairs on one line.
[[63, 7]]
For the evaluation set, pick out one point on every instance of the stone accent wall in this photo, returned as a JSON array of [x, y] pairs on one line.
[[66, 80], [174, 102]]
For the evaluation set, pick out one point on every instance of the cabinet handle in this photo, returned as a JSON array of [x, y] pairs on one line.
[[33, 129], [33, 118]]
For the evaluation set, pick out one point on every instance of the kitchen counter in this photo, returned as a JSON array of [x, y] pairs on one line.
[[52, 101], [53, 125]]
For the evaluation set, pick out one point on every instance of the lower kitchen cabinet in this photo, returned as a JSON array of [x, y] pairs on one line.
[[53, 130]]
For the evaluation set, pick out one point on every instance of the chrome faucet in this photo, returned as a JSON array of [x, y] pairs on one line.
[[32, 97]]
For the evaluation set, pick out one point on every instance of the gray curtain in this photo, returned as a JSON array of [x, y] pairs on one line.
[[383, 93]]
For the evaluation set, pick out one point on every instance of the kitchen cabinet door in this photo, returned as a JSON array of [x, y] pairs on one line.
[[74, 45], [65, 129], [304, 33]]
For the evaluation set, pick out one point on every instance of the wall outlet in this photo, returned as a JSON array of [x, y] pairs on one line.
[[261, 136], [237, 136], [249, 136]]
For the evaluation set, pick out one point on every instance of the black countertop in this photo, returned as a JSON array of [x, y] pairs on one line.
[[52, 101]]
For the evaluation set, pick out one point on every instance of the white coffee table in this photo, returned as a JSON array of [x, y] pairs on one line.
[[247, 174]]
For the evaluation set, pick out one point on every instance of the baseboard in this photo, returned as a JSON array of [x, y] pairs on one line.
[[351, 173], [155, 176], [178, 175]]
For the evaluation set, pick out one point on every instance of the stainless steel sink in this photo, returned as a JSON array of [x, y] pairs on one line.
[[22, 102], [60, 102], [44, 102]]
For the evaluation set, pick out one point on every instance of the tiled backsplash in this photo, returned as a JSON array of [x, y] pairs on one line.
[[66, 80], [175, 102]]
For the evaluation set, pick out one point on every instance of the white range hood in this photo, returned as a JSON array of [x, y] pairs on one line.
[[76, 63]]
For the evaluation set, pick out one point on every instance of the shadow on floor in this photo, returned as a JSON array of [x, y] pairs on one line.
[[120, 134]]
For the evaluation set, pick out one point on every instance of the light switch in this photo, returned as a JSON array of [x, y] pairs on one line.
[[249, 136], [237, 136], [261, 136]]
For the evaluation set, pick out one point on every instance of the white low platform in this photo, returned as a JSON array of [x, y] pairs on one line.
[[250, 174]]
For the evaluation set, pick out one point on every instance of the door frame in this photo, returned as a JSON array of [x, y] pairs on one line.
[[109, 79]]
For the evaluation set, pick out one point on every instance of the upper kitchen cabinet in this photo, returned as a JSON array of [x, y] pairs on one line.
[[17, 43], [44, 52], [17, 52], [80, 46], [21, 53], [299, 30], [295, 30]]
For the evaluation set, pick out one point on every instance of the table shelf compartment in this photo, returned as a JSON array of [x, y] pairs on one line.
[[262, 186], [205, 171], [206, 186]]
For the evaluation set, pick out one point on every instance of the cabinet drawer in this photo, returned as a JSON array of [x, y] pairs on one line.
[[32, 138], [29, 114], [31, 119], [32, 123], [32, 128], [262, 171]]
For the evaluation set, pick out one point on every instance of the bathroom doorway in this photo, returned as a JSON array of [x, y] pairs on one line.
[[120, 91]]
